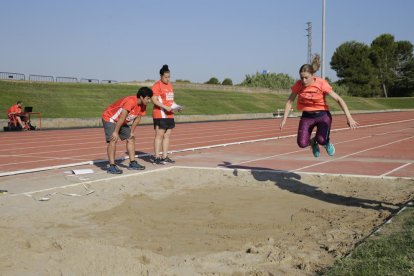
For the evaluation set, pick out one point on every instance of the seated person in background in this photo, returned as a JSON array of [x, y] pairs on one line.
[[14, 113]]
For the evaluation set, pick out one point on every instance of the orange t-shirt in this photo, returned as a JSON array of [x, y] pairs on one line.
[[312, 97], [130, 104], [14, 109], [165, 94]]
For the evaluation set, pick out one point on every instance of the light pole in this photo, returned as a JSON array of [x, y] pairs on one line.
[[309, 35], [323, 41]]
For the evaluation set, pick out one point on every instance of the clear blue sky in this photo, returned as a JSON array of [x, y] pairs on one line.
[[127, 40]]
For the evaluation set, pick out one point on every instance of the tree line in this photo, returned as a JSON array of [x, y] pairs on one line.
[[383, 69]]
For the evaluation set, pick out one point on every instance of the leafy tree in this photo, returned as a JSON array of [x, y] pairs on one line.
[[212, 80], [353, 66], [383, 56], [404, 85], [341, 89], [227, 81], [386, 67], [272, 80], [391, 59]]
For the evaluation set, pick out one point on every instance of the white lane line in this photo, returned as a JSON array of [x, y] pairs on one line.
[[290, 152], [288, 172], [191, 149], [46, 168], [89, 182], [227, 132], [306, 149], [396, 169], [140, 155], [351, 154], [145, 133]]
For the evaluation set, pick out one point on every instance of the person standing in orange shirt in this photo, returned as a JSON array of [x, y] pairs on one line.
[[163, 116], [115, 121], [312, 91]]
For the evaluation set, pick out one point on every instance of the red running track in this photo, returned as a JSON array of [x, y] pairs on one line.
[[382, 146]]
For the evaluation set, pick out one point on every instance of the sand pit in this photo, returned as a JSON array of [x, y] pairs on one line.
[[181, 221]]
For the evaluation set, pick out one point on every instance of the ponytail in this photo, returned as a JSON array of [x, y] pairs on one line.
[[164, 69], [311, 68]]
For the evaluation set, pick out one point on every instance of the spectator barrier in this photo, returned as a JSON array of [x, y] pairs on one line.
[[89, 81], [11, 76], [108, 81], [66, 79], [41, 78]]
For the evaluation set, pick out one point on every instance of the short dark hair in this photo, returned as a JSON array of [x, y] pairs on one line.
[[164, 69], [19, 102], [144, 92]]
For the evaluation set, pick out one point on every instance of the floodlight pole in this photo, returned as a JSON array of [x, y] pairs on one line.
[[323, 41], [309, 35]]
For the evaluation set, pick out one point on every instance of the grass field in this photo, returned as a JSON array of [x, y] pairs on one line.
[[68, 100], [388, 252]]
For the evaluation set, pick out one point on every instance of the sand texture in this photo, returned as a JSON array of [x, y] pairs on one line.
[[194, 222]]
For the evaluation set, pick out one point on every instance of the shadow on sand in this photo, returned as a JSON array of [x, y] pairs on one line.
[[292, 182]]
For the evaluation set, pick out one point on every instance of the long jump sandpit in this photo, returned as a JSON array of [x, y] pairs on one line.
[[188, 221]]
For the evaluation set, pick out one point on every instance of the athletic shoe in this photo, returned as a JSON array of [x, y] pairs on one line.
[[168, 160], [114, 169], [158, 161], [315, 148], [330, 149], [134, 165]]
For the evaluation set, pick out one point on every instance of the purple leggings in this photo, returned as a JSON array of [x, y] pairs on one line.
[[322, 121]]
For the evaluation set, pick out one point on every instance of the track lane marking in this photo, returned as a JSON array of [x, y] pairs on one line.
[[351, 154], [396, 169]]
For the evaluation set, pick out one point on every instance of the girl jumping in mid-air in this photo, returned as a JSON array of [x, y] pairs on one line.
[[312, 91]]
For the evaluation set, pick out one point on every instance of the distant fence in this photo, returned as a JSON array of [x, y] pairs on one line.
[[89, 81], [235, 88], [11, 76], [43, 78], [66, 79], [108, 81]]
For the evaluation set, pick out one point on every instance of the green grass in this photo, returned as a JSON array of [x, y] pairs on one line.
[[389, 252], [68, 100]]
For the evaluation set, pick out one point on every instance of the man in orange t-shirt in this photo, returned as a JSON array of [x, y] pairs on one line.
[[15, 112], [115, 121], [311, 92]]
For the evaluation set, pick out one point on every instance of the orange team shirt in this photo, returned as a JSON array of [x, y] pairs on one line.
[[165, 94], [14, 109], [130, 104], [312, 97]]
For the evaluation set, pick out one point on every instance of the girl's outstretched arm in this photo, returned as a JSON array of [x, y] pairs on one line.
[[288, 106], [350, 121]]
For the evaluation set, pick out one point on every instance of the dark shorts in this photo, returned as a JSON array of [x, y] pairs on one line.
[[124, 131], [164, 123], [321, 120]]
